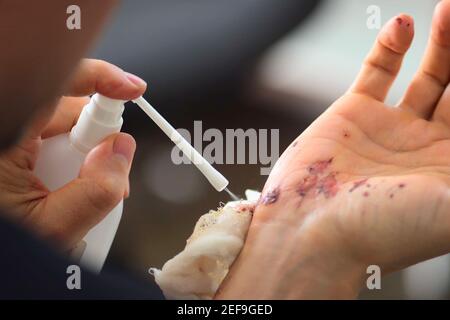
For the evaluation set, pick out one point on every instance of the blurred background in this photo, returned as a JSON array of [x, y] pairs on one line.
[[269, 64]]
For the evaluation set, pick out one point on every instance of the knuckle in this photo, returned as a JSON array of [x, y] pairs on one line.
[[380, 66]]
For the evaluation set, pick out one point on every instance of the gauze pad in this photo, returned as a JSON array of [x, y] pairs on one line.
[[218, 237]]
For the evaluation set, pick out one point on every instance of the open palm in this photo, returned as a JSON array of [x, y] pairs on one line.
[[368, 181]]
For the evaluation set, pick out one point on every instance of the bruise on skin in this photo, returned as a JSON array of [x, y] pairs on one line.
[[328, 185], [271, 196], [401, 185], [318, 182], [307, 184], [358, 184], [319, 167]]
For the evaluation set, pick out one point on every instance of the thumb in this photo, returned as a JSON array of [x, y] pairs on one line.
[[102, 183]]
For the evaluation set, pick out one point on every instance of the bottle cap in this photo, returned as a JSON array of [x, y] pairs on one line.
[[101, 117]]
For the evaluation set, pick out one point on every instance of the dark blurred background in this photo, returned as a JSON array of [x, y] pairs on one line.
[[269, 64]]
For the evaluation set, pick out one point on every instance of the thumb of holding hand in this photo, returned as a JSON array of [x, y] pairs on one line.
[[102, 183]]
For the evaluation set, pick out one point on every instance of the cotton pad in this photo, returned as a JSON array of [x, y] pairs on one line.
[[218, 237]]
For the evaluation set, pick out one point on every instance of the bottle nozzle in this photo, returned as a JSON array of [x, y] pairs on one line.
[[101, 117], [217, 180]]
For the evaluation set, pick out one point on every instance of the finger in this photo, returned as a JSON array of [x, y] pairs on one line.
[[432, 77], [442, 111], [105, 78], [91, 76], [103, 182], [65, 116], [384, 60]]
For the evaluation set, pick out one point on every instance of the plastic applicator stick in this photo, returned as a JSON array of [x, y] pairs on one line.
[[217, 180]]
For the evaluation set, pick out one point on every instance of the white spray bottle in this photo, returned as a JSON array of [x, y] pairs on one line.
[[60, 160], [61, 157]]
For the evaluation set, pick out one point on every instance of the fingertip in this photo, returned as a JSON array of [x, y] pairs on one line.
[[109, 80], [441, 23], [127, 87], [404, 20], [398, 33], [115, 154], [137, 82], [124, 145]]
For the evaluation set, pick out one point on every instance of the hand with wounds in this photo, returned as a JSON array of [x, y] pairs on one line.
[[64, 216], [365, 184]]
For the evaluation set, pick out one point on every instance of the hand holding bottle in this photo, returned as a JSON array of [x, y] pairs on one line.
[[66, 214]]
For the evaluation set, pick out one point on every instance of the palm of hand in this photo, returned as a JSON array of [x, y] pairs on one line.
[[372, 176], [369, 180]]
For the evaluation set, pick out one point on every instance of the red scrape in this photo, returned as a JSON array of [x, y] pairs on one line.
[[358, 184], [328, 185], [319, 167], [271, 196], [318, 181], [307, 184]]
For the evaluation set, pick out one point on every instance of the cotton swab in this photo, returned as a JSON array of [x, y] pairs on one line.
[[217, 180]]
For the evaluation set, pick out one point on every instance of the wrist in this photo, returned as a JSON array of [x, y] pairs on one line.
[[277, 263]]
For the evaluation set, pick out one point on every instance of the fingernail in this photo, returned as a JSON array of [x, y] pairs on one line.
[[124, 145], [135, 80]]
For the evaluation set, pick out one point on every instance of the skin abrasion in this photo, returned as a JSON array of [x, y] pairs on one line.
[[358, 184], [364, 183], [271, 196], [393, 190], [346, 134], [328, 186], [319, 180], [307, 184], [319, 167]]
